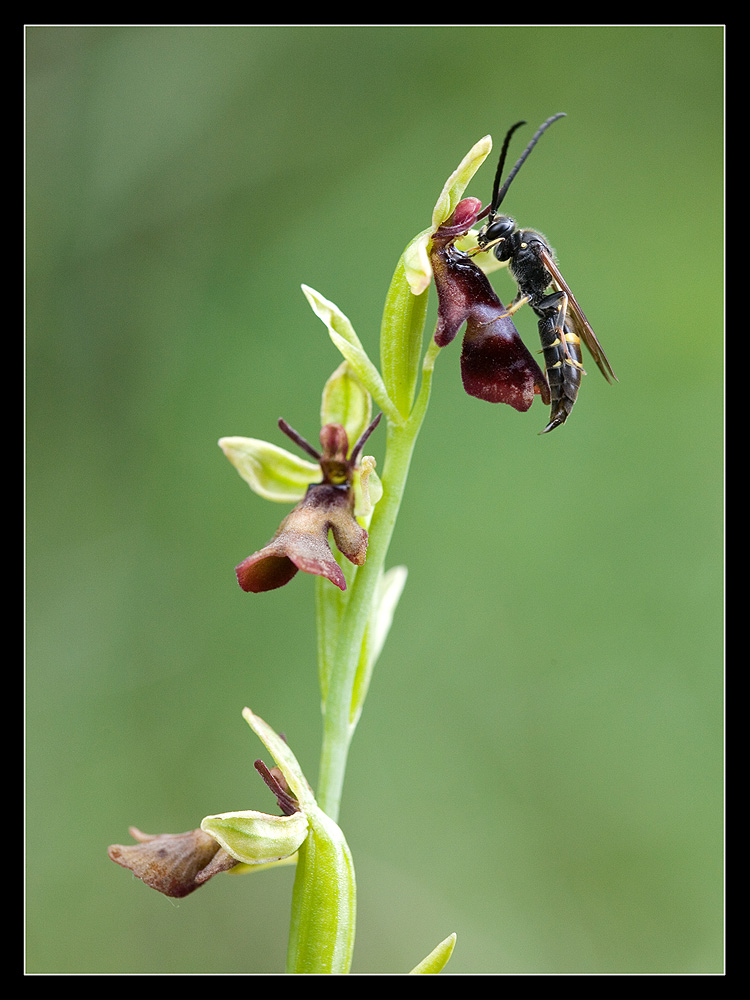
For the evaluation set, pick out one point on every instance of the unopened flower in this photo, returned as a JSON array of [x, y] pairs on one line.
[[495, 363], [301, 542]]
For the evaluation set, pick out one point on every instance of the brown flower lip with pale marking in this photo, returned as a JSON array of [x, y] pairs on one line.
[[301, 541]]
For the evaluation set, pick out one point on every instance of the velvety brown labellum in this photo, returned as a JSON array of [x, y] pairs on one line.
[[301, 542]]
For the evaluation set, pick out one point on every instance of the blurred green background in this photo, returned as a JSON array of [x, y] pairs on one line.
[[539, 763]]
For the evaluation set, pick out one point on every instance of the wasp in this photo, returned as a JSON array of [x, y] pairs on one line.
[[562, 323]]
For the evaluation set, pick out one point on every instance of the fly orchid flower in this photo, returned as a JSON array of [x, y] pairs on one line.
[[301, 541], [322, 937], [495, 363]]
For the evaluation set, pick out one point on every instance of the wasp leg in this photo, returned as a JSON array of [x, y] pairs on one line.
[[515, 306]]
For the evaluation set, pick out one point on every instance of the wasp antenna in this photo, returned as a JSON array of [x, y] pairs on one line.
[[500, 167], [497, 196]]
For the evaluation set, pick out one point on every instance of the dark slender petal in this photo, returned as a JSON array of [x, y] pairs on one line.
[[274, 778]]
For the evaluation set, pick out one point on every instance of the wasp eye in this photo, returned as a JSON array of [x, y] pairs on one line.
[[500, 229]]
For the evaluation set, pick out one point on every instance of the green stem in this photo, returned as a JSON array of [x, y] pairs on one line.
[[338, 728]]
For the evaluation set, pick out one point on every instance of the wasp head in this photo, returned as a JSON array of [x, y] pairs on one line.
[[495, 234]]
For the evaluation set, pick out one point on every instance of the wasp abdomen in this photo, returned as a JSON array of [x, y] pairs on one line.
[[563, 362]]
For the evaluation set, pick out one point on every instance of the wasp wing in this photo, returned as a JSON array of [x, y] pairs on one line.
[[578, 320]]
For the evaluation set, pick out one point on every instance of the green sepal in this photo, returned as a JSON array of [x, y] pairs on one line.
[[255, 838], [368, 489], [287, 762], [418, 270], [458, 181], [417, 266], [346, 340], [270, 471], [437, 959]]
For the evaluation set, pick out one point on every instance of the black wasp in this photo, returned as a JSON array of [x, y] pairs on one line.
[[562, 324]]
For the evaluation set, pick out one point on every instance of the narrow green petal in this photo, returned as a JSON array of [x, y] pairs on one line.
[[437, 959], [270, 471], [257, 838]]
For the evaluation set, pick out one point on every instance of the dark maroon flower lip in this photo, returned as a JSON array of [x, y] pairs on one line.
[[498, 368], [301, 541]]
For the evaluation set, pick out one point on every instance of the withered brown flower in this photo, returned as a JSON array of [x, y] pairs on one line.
[[175, 864]]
